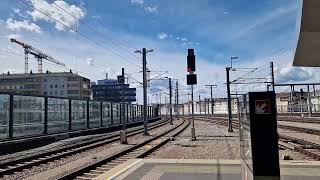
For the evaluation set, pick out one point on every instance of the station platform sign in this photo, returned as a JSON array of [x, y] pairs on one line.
[[258, 136]]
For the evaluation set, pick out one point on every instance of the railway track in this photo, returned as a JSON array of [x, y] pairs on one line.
[[300, 129], [315, 120], [294, 128], [300, 145], [302, 120], [17, 165], [140, 150], [305, 147]]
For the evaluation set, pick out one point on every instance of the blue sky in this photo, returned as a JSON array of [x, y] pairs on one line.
[[255, 31]]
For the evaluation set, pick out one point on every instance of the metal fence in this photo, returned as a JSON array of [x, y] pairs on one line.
[[24, 115]]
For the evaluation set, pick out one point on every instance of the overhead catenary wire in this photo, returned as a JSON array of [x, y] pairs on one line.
[[93, 29], [102, 36], [81, 34]]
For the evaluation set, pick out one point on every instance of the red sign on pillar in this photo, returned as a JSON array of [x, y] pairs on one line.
[[262, 107]]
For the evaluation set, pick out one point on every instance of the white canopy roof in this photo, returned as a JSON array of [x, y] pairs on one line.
[[308, 48]]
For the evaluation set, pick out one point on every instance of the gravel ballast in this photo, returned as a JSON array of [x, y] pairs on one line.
[[62, 166], [213, 142]]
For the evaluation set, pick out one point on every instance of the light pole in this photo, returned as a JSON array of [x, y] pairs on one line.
[[193, 134], [170, 98], [123, 135], [232, 58], [212, 86], [229, 95], [144, 52], [199, 104], [177, 100]]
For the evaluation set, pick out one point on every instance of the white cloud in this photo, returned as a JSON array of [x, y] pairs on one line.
[[162, 35], [90, 61], [14, 36], [15, 25], [96, 17], [139, 2], [57, 13], [265, 19], [184, 39], [148, 9], [10, 70], [108, 70], [17, 11], [294, 74], [151, 9]]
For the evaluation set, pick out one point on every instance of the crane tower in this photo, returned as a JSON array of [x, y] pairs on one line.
[[28, 49]]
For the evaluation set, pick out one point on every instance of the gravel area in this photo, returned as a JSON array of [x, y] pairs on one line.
[[54, 169], [213, 142], [301, 124]]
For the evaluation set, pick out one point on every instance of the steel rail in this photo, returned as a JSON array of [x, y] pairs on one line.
[[20, 164], [102, 165]]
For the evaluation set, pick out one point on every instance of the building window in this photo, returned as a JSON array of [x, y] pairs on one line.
[[74, 85], [45, 93], [56, 86], [73, 79], [51, 86], [73, 92]]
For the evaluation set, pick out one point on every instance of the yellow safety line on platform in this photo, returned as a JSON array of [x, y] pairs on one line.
[[123, 170]]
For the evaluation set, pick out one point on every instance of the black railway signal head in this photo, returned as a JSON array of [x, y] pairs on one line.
[[191, 61]]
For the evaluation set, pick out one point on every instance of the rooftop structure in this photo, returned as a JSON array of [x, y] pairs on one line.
[[111, 90]]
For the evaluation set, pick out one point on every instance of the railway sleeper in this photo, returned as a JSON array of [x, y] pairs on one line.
[[83, 178], [132, 155], [101, 169], [127, 157], [308, 147], [11, 167], [97, 171], [119, 161], [112, 165], [89, 175]]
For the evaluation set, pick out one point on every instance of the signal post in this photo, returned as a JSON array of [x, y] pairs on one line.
[[191, 80]]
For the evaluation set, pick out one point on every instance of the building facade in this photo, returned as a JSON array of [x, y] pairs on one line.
[[282, 101], [315, 101], [61, 84], [110, 90]]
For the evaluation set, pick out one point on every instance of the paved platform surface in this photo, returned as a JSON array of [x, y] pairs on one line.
[[187, 169]]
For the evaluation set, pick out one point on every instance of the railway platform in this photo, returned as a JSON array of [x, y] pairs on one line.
[[187, 169]]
